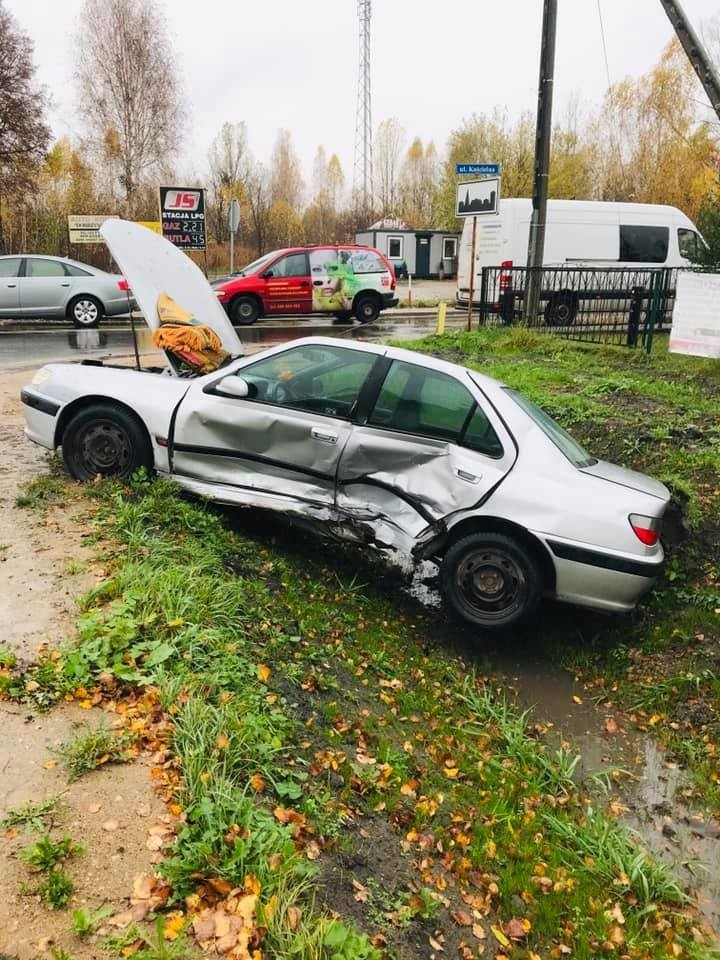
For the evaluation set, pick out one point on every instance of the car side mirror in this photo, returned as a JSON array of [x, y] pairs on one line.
[[267, 274], [233, 386]]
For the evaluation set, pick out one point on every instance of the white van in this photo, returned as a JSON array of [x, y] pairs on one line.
[[579, 233]]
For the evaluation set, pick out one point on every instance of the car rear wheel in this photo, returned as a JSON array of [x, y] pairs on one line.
[[85, 312], [367, 309], [107, 440], [490, 580], [561, 309], [245, 311]]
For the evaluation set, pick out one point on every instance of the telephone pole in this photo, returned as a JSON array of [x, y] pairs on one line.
[[695, 52], [543, 132]]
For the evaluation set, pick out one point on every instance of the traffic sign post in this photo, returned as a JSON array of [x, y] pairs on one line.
[[233, 224]]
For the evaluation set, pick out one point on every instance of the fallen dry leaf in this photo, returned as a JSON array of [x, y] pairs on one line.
[[461, 918], [155, 842], [110, 825], [516, 929], [610, 726], [95, 808], [361, 892], [264, 672], [435, 944]]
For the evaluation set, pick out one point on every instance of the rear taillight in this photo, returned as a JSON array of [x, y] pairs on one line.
[[646, 529], [124, 286], [506, 274]]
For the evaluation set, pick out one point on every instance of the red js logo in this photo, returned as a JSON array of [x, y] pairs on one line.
[[182, 200]]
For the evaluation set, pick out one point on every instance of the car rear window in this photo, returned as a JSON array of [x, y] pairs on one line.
[[364, 261], [561, 438]]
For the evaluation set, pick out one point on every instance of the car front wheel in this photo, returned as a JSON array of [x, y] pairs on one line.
[[245, 311], [85, 312], [490, 580], [105, 440]]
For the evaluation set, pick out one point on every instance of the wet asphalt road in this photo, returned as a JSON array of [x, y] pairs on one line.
[[30, 347]]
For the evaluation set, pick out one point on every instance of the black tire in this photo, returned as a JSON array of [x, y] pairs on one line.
[[107, 440], [343, 316], [490, 580], [245, 311], [367, 309], [561, 309], [85, 312]]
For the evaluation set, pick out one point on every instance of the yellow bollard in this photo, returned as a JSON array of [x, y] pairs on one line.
[[442, 310]]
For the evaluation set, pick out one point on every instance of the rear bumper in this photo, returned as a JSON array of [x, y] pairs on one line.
[[605, 581], [389, 300], [114, 308]]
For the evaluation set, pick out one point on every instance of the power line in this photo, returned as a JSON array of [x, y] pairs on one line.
[[604, 45]]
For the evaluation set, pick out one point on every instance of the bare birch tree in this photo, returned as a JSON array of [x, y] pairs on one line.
[[129, 87]]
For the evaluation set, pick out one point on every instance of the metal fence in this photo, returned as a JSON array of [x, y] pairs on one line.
[[613, 305]]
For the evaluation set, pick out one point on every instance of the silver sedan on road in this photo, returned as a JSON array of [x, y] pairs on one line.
[[44, 286]]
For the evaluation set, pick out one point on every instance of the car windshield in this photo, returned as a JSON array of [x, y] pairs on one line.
[[256, 264], [562, 440]]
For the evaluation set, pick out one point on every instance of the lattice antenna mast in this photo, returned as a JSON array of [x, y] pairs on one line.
[[363, 174]]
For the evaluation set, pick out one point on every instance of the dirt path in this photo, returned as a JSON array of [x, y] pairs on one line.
[[43, 567]]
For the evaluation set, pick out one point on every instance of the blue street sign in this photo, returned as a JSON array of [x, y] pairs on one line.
[[478, 169]]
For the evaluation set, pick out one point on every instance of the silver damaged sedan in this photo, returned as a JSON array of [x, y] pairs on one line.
[[369, 443]]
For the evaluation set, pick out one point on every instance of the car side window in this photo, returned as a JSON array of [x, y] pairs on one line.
[[74, 271], [10, 266], [432, 404], [293, 265], [688, 244], [319, 379], [43, 268]]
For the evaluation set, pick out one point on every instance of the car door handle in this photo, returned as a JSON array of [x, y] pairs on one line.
[[12, 285], [67, 284], [325, 435], [467, 476]]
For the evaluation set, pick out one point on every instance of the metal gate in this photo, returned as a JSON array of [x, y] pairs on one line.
[[615, 305]]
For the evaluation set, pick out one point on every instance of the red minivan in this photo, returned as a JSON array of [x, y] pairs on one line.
[[344, 280]]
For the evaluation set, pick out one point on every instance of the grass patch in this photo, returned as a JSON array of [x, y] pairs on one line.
[[93, 748], [46, 853], [41, 493], [32, 816]]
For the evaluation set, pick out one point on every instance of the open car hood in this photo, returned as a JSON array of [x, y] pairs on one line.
[[152, 265]]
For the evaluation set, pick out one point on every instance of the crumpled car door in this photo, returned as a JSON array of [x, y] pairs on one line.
[[431, 447]]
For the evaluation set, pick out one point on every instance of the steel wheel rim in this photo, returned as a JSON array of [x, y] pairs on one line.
[[245, 310], [104, 447], [85, 311], [491, 582]]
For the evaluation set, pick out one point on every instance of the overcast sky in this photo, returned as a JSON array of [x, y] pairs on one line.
[[281, 63]]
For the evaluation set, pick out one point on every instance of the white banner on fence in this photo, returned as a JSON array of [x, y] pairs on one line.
[[696, 315]]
